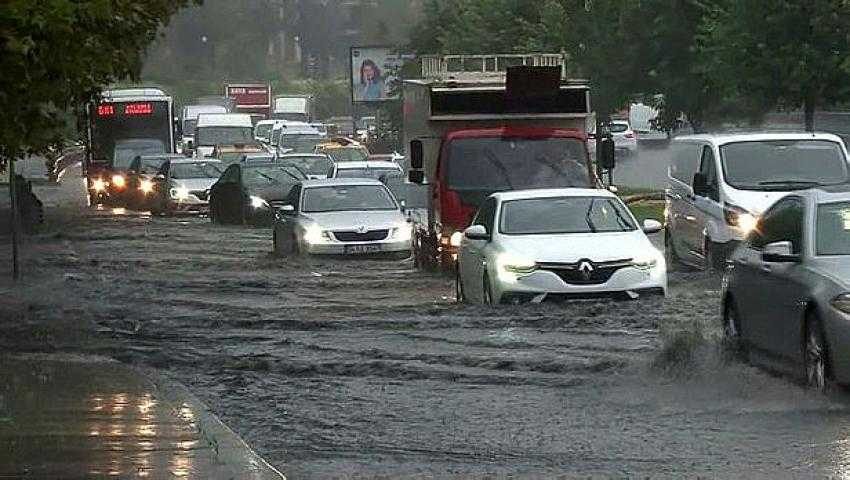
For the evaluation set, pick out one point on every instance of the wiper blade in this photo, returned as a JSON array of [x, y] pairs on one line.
[[587, 219], [788, 182]]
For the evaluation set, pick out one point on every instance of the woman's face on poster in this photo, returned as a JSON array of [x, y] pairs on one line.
[[368, 72]]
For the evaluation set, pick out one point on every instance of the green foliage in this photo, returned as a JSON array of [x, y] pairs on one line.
[[55, 55]]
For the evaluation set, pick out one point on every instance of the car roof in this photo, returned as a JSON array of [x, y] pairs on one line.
[[368, 164], [552, 192], [301, 155], [331, 182], [225, 120], [824, 194], [169, 156], [724, 138]]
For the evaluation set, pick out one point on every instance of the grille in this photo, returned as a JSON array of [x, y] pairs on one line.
[[201, 194], [370, 236], [574, 274]]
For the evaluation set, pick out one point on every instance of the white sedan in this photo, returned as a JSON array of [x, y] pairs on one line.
[[528, 245], [624, 137], [342, 216]]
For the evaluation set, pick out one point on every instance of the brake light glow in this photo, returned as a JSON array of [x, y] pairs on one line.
[[105, 110], [138, 109]]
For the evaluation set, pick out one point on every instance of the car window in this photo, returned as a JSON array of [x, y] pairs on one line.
[[833, 229], [686, 157], [709, 169], [486, 214], [782, 222]]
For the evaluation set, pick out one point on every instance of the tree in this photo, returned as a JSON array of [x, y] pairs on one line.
[[792, 53], [56, 55]]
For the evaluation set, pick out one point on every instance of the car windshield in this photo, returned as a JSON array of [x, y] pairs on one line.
[[347, 154], [348, 198], [208, 136], [151, 165], [375, 173], [312, 165], [300, 143], [555, 215], [270, 175], [494, 164], [833, 229], [619, 127], [783, 164], [127, 150], [184, 171], [263, 131]]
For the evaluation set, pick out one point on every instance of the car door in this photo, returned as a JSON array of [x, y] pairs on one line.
[[473, 254], [781, 317], [707, 207], [757, 301], [681, 215]]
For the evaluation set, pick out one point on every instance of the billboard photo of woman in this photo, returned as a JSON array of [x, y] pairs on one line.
[[371, 81]]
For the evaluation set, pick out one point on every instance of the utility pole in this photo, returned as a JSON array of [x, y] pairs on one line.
[[13, 194]]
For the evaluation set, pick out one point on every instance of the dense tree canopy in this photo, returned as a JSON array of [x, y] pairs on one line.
[[56, 54]]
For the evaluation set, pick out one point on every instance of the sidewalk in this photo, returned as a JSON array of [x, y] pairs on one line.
[[71, 417]]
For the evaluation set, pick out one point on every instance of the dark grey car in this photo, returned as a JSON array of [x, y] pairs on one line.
[[786, 289]]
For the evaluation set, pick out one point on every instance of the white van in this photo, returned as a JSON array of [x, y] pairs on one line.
[[718, 185], [222, 129], [189, 121]]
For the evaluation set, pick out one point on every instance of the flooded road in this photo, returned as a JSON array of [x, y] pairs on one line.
[[334, 368]]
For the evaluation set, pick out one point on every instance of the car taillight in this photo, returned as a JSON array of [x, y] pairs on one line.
[[629, 135]]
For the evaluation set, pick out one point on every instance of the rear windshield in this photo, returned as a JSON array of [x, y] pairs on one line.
[[783, 164], [209, 136], [618, 127], [565, 215]]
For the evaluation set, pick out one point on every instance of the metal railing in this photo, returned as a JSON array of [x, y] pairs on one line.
[[459, 67]]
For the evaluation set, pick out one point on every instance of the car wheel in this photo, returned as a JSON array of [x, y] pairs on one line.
[[815, 356], [459, 296], [487, 292]]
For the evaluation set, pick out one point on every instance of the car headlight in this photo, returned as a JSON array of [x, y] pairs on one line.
[[180, 193], [455, 239], [118, 181], [645, 262], [842, 303], [98, 185], [402, 233], [258, 202], [743, 220], [146, 186], [314, 234], [511, 267]]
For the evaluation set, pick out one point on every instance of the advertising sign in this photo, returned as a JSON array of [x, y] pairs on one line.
[[374, 74]]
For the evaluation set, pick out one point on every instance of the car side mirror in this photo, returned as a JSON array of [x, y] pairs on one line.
[[605, 154], [700, 184], [476, 232], [779, 252], [651, 226], [416, 176], [287, 209]]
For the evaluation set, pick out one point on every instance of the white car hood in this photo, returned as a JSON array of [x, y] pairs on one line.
[[194, 184], [570, 248], [370, 220], [754, 201]]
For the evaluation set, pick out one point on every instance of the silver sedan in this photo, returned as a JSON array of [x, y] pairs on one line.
[[786, 289]]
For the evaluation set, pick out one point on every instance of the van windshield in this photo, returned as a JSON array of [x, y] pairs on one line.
[[512, 163], [209, 136], [783, 164]]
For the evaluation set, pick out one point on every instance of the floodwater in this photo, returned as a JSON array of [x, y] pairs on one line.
[[335, 368]]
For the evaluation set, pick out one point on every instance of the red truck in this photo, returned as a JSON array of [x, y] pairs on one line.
[[478, 124], [251, 98]]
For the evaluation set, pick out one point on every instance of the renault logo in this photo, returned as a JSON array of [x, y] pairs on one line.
[[586, 268], [361, 229]]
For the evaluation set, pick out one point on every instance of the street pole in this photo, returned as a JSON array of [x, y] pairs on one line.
[[13, 194]]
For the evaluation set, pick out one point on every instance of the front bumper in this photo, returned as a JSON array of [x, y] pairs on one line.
[[191, 204], [339, 248], [544, 283]]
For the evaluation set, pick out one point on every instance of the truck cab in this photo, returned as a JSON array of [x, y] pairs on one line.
[[479, 124]]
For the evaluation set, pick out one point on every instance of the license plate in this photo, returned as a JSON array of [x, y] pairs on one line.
[[358, 249]]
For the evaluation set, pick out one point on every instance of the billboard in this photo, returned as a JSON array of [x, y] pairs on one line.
[[374, 74], [249, 95]]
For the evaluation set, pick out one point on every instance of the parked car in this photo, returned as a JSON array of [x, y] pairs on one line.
[[141, 178], [530, 245], [342, 217], [718, 185], [786, 289], [370, 169], [183, 185], [625, 140], [249, 193], [316, 166]]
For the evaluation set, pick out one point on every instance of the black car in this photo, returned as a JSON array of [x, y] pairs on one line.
[[248, 193], [141, 179]]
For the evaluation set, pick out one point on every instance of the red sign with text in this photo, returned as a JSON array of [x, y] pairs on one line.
[[249, 95]]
